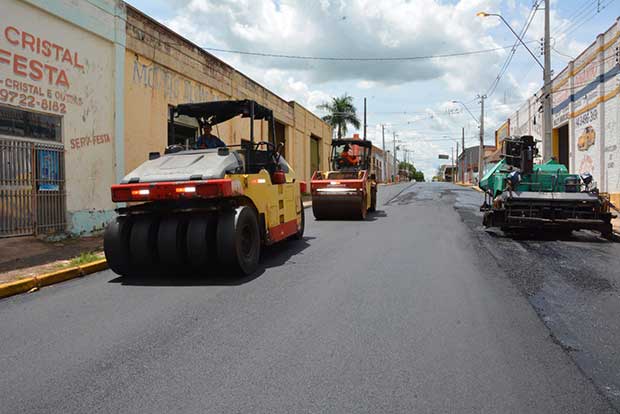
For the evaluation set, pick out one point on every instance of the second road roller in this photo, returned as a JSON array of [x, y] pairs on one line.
[[349, 190]]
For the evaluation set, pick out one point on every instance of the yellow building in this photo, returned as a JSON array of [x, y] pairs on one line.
[[162, 69]]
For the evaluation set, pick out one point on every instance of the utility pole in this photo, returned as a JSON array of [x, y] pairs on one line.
[[394, 170], [456, 164], [407, 163], [547, 122], [364, 119], [462, 169], [452, 175], [481, 148], [384, 154]]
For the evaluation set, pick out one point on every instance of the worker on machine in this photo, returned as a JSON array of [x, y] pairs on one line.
[[208, 140], [348, 159]]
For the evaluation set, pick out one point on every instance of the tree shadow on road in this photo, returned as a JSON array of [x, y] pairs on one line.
[[271, 256]]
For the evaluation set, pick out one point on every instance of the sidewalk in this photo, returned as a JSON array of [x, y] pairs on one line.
[[472, 186], [23, 257]]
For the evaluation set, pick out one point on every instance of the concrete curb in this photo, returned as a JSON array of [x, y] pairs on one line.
[[24, 285], [473, 187], [29, 283]]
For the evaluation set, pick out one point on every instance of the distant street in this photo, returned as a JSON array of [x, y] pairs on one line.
[[416, 310]]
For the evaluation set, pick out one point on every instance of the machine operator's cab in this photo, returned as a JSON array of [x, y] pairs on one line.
[[350, 155]]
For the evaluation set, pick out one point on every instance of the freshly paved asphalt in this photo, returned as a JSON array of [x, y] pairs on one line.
[[401, 313], [572, 282]]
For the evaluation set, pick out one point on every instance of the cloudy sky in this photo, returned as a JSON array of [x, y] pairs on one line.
[[412, 97]]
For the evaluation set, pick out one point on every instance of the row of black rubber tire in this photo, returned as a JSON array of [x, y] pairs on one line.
[[226, 241]]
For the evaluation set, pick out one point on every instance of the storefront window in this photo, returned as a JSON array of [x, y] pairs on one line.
[[24, 124]]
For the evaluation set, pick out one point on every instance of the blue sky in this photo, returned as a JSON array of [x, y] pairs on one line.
[[413, 98]]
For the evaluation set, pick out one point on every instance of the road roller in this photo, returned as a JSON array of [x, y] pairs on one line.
[[196, 210], [349, 190]]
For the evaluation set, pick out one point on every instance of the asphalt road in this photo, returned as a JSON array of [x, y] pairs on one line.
[[400, 313], [573, 284]]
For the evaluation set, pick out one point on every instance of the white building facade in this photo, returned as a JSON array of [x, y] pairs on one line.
[[61, 89], [586, 113]]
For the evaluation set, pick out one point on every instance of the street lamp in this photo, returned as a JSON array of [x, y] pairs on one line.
[[546, 73], [466, 108], [485, 14]]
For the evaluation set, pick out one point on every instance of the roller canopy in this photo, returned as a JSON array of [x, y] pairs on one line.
[[358, 142], [221, 111]]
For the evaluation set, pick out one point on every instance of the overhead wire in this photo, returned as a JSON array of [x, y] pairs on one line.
[[506, 64], [589, 15], [562, 55], [360, 59], [578, 12]]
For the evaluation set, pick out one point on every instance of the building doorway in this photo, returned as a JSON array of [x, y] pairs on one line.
[[280, 133], [563, 146], [32, 174], [315, 155]]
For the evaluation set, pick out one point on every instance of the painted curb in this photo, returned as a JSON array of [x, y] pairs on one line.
[[16, 287], [26, 284], [473, 187], [57, 277]]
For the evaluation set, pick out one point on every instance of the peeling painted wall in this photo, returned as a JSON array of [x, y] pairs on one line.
[[63, 53], [162, 69]]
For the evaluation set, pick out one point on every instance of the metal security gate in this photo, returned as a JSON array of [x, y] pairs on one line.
[[32, 188]]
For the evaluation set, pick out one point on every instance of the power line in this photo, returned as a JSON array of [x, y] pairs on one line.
[[562, 54], [581, 9], [571, 28], [361, 59], [504, 67]]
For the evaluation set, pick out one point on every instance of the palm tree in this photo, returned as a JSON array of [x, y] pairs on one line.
[[341, 113]]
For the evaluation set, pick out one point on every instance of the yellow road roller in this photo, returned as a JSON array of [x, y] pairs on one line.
[[199, 209], [349, 190]]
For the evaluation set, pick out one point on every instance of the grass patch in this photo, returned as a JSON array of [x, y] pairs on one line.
[[83, 258]]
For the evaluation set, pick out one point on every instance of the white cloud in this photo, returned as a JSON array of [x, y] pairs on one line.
[[386, 28], [346, 28]]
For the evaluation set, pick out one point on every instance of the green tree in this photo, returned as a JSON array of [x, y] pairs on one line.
[[340, 114], [411, 171]]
